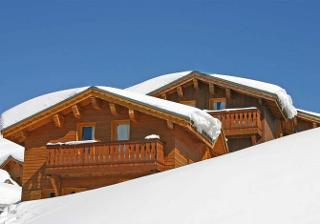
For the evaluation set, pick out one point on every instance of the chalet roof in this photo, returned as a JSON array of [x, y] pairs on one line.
[[159, 83], [309, 115], [200, 120], [10, 149]]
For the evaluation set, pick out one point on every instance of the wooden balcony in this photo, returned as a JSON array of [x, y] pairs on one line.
[[240, 122], [99, 158]]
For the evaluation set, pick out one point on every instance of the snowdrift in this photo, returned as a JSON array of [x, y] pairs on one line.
[[9, 192], [275, 182]]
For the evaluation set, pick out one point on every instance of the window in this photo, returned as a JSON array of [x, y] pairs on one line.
[[51, 194], [120, 130], [217, 103], [86, 131], [189, 102]]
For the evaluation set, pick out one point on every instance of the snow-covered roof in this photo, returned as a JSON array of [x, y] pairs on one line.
[[159, 82], [9, 193], [274, 182], [9, 148], [202, 121], [314, 114]]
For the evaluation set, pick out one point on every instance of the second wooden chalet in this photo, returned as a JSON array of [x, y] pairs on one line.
[[90, 137], [11, 158], [251, 111]]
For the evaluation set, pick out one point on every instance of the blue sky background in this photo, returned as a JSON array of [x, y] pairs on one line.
[[52, 45]]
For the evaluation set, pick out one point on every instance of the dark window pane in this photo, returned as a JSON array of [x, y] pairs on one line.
[[87, 133]]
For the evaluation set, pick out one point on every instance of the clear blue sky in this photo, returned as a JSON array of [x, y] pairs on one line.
[[53, 45]]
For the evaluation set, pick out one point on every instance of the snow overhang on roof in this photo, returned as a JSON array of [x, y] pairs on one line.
[[309, 115], [200, 120], [159, 83]]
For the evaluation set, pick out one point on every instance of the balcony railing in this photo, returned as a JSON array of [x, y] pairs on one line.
[[240, 121], [114, 153]]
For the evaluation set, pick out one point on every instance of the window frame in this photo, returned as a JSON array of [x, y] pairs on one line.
[[215, 100], [86, 124], [187, 102], [114, 124]]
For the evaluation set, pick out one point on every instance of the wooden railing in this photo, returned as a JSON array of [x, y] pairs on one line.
[[242, 121], [124, 152]]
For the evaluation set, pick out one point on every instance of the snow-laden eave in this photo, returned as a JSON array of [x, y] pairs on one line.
[[265, 94], [261, 91], [309, 115], [186, 119], [5, 129]]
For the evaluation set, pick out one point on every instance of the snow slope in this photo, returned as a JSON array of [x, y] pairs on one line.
[[9, 193], [285, 100], [203, 122], [274, 182], [8, 148]]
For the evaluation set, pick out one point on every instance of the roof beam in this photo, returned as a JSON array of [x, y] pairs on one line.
[[113, 109], [164, 96], [95, 103], [170, 124], [58, 120], [132, 115], [195, 84], [228, 95], [21, 136], [76, 111], [180, 91], [211, 89]]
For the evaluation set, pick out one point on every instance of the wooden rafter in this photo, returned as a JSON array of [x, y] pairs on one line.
[[95, 103], [195, 84], [228, 95], [113, 109], [164, 96], [180, 91], [58, 120], [21, 136], [170, 124], [211, 89], [132, 115], [76, 111]]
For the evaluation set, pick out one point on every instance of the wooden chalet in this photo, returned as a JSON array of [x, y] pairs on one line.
[[11, 158], [251, 112], [14, 168], [92, 137]]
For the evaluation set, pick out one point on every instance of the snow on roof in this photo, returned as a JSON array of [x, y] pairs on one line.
[[309, 112], [203, 122], [274, 182], [153, 84], [36, 105], [284, 99], [9, 148], [9, 193]]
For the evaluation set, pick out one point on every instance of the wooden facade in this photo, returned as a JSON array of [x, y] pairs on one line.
[[14, 168], [248, 116], [58, 169]]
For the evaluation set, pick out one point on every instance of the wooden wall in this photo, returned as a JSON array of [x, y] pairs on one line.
[[36, 184], [271, 124]]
